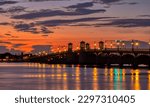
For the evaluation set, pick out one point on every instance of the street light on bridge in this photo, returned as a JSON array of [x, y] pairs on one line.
[[123, 44], [77, 48], [111, 45], [94, 45], [132, 44], [137, 44], [58, 49], [118, 45], [65, 49]]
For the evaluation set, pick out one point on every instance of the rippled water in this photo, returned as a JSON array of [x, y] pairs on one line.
[[62, 77]]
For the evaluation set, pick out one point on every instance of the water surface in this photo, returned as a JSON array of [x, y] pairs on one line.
[[31, 76]]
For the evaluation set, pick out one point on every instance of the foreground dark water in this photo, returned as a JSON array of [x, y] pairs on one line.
[[26, 76]]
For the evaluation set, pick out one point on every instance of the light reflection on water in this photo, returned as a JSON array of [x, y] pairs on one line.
[[73, 77]]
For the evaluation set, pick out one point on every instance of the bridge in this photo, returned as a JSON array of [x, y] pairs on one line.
[[101, 56]]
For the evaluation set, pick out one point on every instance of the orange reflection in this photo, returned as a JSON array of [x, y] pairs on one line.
[[35, 76], [123, 74], [111, 78], [72, 66], [95, 79], [106, 74], [65, 81], [77, 78], [135, 79], [52, 66], [59, 77], [42, 81], [124, 78], [132, 78], [64, 65], [137, 83], [52, 76], [58, 66], [43, 65]]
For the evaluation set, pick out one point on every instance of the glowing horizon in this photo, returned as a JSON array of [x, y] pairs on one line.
[[25, 24]]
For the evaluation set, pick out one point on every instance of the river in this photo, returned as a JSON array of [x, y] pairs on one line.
[[36, 76]]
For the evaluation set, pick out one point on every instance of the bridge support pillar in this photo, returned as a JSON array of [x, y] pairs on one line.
[[134, 65], [108, 65], [120, 65]]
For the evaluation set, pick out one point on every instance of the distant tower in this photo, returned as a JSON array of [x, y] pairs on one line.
[[82, 45], [70, 46], [87, 46], [101, 45]]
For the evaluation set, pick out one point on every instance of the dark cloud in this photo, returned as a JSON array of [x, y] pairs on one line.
[[82, 5], [8, 34], [81, 24], [42, 0], [7, 2], [18, 45], [144, 16], [66, 22], [133, 3], [3, 49], [4, 23], [31, 27], [45, 35], [45, 30], [129, 3], [127, 23], [26, 27], [5, 42], [107, 1], [16, 9], [115, 2], [1, 10], [12, 10], [51, 13]]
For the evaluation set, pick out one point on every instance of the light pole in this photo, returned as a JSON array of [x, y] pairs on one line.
[[123, 44], [132, 43], [118, 45]]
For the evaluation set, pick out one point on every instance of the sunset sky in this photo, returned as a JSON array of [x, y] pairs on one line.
[[25, 24]]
